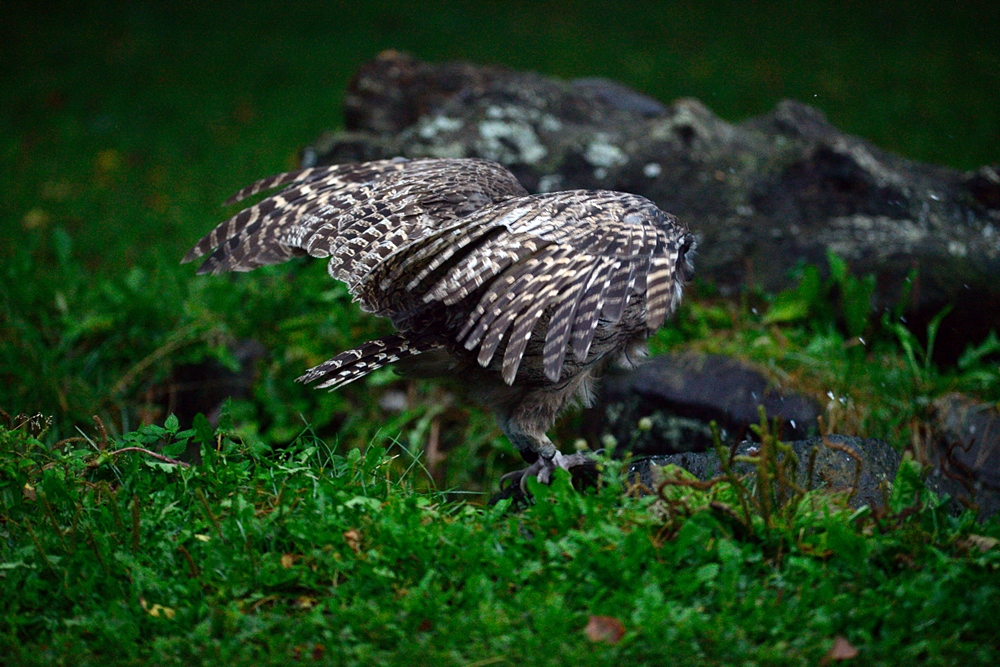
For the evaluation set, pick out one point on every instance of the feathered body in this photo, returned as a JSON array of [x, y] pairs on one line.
[[520, 297]]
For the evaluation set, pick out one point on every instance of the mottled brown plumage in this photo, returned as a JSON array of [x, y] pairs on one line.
[[519, 297]]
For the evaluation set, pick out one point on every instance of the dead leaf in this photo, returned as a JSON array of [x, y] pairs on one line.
[[304, 602], [841, 650], [604, 629], [156, 610], [287, 560], [353, 539], [982, 542], [28, 491]]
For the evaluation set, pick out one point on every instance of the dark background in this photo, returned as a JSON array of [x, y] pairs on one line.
[[128, 125]]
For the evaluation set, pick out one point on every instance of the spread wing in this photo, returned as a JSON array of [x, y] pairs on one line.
[[579, 254], [405, 235], [355, 214]]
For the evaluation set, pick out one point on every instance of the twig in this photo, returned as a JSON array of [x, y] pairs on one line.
[[92, 540], [812, 468], [66, 441], [193, 569], [49, 512], [161, 457], [858, 463], [208, 511], [726, 463], [693, 483], [103, 432], [37, 543]]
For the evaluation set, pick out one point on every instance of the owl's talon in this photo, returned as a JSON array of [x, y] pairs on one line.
[[542, 470]]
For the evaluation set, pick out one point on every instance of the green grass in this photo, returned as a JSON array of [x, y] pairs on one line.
[[260, 556], [120, 133]]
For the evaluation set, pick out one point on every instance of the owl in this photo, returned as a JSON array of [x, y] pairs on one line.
[[521, 298]]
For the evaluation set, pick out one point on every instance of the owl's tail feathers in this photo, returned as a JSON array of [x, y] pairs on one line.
[[348, 366]]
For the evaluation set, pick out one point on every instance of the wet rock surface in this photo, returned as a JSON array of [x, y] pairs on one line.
[[681, 394], [834, 468], [964, 451], [762, 195]]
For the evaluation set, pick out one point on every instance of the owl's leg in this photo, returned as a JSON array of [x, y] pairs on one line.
[[536, 448]]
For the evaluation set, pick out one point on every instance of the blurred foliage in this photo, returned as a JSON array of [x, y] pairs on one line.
[[812, 299], [127, 125]]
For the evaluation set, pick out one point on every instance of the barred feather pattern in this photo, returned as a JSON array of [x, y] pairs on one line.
[[591, 247], [358, 362], [355, 214], [530, 292]]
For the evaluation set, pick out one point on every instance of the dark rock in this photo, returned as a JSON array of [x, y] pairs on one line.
[[392, 92], [204, 387], [833, 468], [964, 450], [681, 394], [762, 195], [621, 97], [984, 186]]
